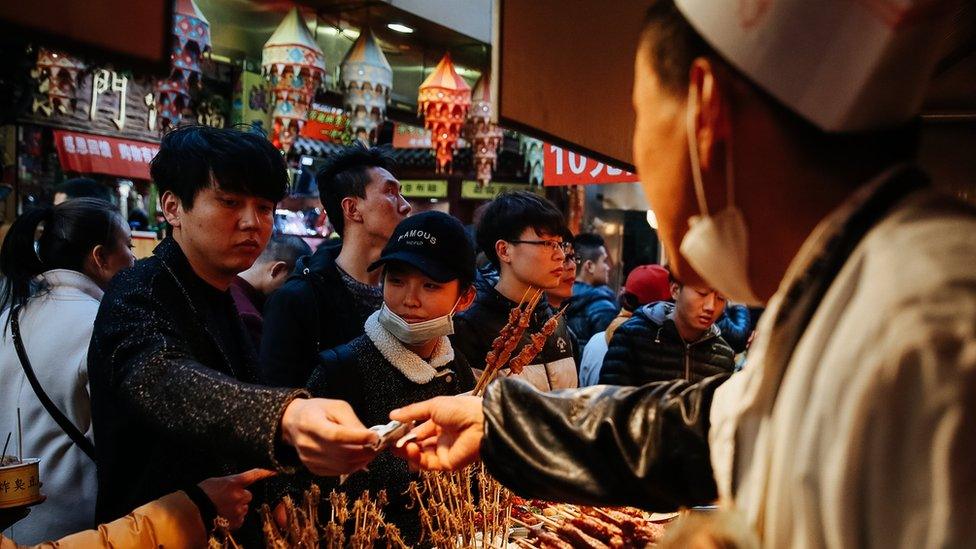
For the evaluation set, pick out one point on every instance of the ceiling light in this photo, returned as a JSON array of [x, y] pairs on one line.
[[399, 28]]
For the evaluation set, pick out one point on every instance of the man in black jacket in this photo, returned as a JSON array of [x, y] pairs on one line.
[[332, 292], [170, 364], [593, 305], [522, 235], [664, 341]]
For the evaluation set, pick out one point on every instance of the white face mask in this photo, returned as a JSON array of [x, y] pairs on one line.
[[717, 246], [418, 332]]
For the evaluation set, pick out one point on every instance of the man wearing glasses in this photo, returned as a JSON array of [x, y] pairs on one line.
[[522, 235]]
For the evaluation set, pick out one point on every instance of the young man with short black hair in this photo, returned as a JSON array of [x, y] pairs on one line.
[[664, 341], [332, 293], [521, 234], [251, 288], [170, 366], [593, 304]]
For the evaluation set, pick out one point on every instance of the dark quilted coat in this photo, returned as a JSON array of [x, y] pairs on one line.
[[648, 348]]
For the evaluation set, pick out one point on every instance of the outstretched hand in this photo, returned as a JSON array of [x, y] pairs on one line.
[[328, 436], [230, 494], [449, 437]]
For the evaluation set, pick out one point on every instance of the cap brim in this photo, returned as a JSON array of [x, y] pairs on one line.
[[432, 269]]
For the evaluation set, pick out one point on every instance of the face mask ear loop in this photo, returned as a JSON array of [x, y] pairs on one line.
[[693, 151]]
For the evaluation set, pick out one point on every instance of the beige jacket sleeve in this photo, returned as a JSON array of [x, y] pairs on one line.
[[171, 521]]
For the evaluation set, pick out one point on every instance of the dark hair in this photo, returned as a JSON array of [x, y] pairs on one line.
[[511, 213], [587, 246], [193, 158], [71, 231], [673, 45], [285, 247], [84, 187], [347, 174]]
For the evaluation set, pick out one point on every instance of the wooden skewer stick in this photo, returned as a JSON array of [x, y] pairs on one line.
[[546, 520]]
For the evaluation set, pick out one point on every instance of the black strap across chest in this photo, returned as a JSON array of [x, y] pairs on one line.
[[69, 428]]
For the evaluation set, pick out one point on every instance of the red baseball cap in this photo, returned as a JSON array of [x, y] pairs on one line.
[[648, 283]]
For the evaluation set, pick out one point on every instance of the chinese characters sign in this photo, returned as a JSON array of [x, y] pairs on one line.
[[326, 124], [563, 167], [406, 136], [472, 190], [423, 189], [87, 153]]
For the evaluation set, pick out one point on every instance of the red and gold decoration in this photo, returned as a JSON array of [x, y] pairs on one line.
[[444, 101], [295, 66], [57, 81], [485, 136], [366, 82], [191, 38]]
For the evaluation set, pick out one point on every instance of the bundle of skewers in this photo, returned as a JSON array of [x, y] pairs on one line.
[[561, 526], [302, 530], [466, 508], [509, 337]]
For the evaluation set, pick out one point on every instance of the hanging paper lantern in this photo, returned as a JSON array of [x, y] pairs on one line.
[[366, 82], [191, 38], [484, 135], [444, 101], [294, 64], [57, 79], [532, 153]]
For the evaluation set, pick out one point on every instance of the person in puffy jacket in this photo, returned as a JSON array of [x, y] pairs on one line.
[[664, 341], [593, 305]]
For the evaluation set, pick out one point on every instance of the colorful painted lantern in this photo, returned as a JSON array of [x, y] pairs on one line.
[[444, 101], [485, 136], [57, 79], [191, 38], [366, 82], [294, 64]]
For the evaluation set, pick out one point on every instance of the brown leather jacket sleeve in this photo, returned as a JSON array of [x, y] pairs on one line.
[[604, 445]]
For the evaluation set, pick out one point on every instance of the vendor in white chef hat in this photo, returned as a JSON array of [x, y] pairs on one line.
[[775, 139]]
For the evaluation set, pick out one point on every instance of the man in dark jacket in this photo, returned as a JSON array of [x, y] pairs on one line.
[[330, 295], [649, 347], [593, 305], [171, 368], [521, 234]]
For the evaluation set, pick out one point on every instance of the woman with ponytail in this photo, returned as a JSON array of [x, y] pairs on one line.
[[57, 262]]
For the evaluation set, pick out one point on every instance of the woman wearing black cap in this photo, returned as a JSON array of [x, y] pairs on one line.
[[405, 355]]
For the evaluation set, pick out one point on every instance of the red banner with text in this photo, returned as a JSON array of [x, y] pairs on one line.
[[87, 153], [564, 167]]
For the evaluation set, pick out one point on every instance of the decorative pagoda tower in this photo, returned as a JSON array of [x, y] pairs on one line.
[[367, 79], [444, 101]]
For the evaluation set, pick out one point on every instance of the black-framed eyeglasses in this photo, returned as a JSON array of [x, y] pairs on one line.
[[553, 245], [573, 258]]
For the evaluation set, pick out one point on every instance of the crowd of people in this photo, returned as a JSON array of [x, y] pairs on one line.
[[156, 392]]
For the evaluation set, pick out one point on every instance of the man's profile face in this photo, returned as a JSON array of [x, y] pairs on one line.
[[662, 159], [600, 269], [384, 207], [227, 231]]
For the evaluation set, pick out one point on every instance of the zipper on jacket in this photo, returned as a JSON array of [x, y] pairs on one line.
[[688, 361]]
